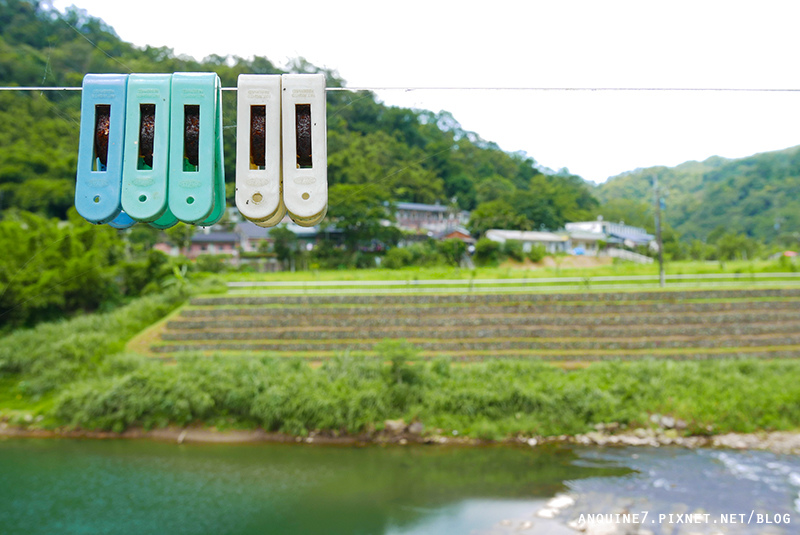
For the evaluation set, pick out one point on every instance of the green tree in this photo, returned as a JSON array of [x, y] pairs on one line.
[[699, 250], [731, 246], [496, 214], [632, 211], [494, 188], [284, 242], [49, 269], [452, 250], [537, 210], [361, 212], [181, 236]]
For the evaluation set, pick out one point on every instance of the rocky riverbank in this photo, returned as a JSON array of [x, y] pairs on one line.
[[398, 432]]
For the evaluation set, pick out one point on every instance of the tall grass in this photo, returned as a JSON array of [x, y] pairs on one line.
[[489, 400], [52, 355]]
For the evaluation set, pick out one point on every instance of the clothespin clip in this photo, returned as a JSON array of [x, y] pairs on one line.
[[305, 150], [145, 170], [259, 195], [196, 189], [99, 177], [122, 221]]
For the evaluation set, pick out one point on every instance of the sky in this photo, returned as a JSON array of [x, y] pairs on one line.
[[544, 44]]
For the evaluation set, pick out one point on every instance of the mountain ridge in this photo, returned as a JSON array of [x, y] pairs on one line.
[[755, 195]]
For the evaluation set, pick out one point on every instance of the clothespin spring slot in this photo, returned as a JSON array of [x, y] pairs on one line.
[[102, 122], [258, 137], [191, 138], [147, 129], [303, 135]]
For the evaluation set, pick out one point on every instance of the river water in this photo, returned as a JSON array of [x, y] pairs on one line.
[[132, 487]]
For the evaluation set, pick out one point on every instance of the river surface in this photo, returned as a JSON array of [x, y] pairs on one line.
[[142, 487]]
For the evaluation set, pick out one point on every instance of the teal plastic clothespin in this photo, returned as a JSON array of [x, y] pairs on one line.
[[165, 221], [99, 176], [145, 170], [196, 188]]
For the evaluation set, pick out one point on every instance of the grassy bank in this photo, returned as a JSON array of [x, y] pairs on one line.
[[512, 270], [74, 374], [486, 400]]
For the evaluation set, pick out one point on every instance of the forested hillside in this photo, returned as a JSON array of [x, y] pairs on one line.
[[401, 154], [758, 196]]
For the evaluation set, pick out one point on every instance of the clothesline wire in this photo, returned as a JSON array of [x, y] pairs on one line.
[[457, 88]]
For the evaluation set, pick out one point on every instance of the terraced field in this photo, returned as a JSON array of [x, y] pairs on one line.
[[566, 326]]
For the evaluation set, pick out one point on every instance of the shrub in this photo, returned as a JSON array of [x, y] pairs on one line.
[[537, 253], [397, 258], [326, 255], [210, 263], [137, 275], [487, 252], [399, 353], [452, 250], [425, 254], [513, 250]]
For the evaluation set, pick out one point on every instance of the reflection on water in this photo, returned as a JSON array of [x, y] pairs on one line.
[[62, 486]]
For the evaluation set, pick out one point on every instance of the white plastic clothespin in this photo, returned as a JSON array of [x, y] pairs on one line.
[[281, 148], [259, 192], [305, 148]]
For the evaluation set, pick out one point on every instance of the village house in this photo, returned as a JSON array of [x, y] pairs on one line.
[[213, 243], [425, 218], [246, 237], [615, 233], [583, 242], [456, 233], [552, 242]]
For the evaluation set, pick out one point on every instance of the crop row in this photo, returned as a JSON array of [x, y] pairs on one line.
[[564, 356], [457, 320], [753, 353], [493, 297], [647, 331], [466, 344], [525, 308]]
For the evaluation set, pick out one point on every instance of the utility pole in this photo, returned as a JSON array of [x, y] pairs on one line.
[[657, 200]]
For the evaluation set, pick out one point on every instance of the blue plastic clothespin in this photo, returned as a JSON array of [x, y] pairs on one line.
[[196, 189], [122, 221], [99, 177]]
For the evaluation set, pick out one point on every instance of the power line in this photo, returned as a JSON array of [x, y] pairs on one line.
[[458, 88], [589, 89]]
